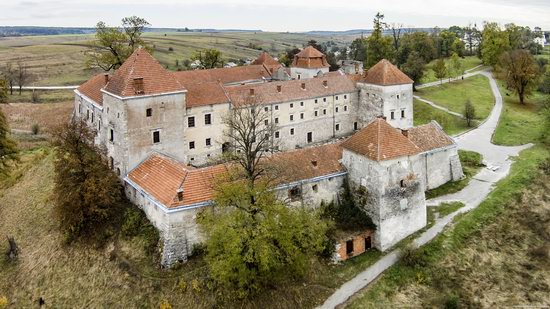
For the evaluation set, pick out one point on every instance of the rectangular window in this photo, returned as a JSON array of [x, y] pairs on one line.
[[337, 127], [316, 101], [392, 115], [291, 117], [207, 119], [277, 134], [324, 111], [402, 113], [292, 131], [301, 115], [266, 122], [149, 112], [301, 103], [87, 114], [111, 135], [266, 109], [316, 113], [336, 109], [291, 105], [156, 137], [309, 137], [92, 117], [208, 142], [191, 145], [191, 122], [345, 108], [324, 99], [345, 96], [315, 188], [276, 107], [398, 97], [336, 98], [355, 126], [276, 120], [349, 247]]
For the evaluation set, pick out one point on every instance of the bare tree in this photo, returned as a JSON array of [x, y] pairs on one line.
[[9, 74], [250, 129], [397, 30], [22, 76]]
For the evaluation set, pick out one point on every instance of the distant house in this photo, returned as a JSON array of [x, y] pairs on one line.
[[230, 65], [541, 39]]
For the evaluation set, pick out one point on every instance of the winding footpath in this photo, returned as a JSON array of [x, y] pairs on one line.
[[497, 160]]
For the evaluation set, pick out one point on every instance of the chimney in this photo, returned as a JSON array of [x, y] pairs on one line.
[[405, 133], [180, 194], [106, 77], [304, 86], [138, 85], [314, 163], [279, 88], [325, 83], [251, 91]]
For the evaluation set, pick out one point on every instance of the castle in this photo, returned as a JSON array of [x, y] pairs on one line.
[[161, 129]]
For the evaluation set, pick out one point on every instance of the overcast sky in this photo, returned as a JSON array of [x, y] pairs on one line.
[[278, 15]]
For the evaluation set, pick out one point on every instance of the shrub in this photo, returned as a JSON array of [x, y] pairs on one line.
[[198, 250], [413, 257], [182, 285], [132, 222], [452, 302], [136, 224], [165, 305], [3, 302], [35, 129], [35, 97]]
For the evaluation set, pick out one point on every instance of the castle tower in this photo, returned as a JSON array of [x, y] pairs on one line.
[[143, 111], [308, 63], [386, 91]]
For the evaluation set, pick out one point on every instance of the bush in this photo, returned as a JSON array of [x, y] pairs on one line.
[[413, 257], [171, 49], [132, 222], [3, 302], [452, 302], [136, 224], [35, 129], [35, 97]]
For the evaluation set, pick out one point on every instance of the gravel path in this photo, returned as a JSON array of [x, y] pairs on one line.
[[497, 159]]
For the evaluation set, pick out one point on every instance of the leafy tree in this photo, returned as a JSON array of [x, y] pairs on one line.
[[469, 112], [3, 91], [114, 45], [420, 42], [9, 73], [378, 46], [544, 86], [358, 49], [87, 193], [495, 41], [414, 68], [209, 58], [252, 245], [456, 65], [440, 69], [288, 56], [520, 71], [8, 147]]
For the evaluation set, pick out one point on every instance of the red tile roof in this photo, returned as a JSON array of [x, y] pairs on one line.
[[380, 141], [92, 88], [267, 60], [429, 136], [384, 73], [141, 64], [206, 93], [224, 75], [267, 93], [310, 58]]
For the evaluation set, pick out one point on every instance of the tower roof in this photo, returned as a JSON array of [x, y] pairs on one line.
[[310, 58], [266, 59], [380, 141], [384, 73], [141, 74]]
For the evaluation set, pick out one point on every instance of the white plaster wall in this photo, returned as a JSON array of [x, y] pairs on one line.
[[434, 167], [306, 73], [378, 100]]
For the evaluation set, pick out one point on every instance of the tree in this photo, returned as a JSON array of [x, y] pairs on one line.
[[378, 46], [114, 45], [414, 68], [494, 42], [8, 147], [23, 76], [520, 71], [358, 49], [3, 91], [472, 36], [456, 65], [87, 194], [13, 249], [396, 31], [250, 246], [9, 74], [420, 42], [209, 58], [469, 112], [440, 69], [288, 56]]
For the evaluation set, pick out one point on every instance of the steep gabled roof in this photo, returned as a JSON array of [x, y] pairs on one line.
[[92, 88], [384, 73], [380, 141], [141, 65], [429, 136], [310, 58]]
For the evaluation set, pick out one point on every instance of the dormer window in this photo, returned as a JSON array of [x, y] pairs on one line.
[[138, 85]]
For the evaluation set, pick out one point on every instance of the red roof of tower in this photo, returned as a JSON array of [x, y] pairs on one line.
[[384, 73]]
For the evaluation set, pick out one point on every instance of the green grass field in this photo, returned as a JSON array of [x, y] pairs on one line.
[[467, 63], [519, 123], [424, 113], [60, 59], [454, 95]]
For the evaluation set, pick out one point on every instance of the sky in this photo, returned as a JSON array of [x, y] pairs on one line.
[[279, 15]]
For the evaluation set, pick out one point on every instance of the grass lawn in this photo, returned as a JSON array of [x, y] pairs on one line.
[[519, 123], [424, 113], [468, 62], [479, 253], [454, 95], [471, 165]]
